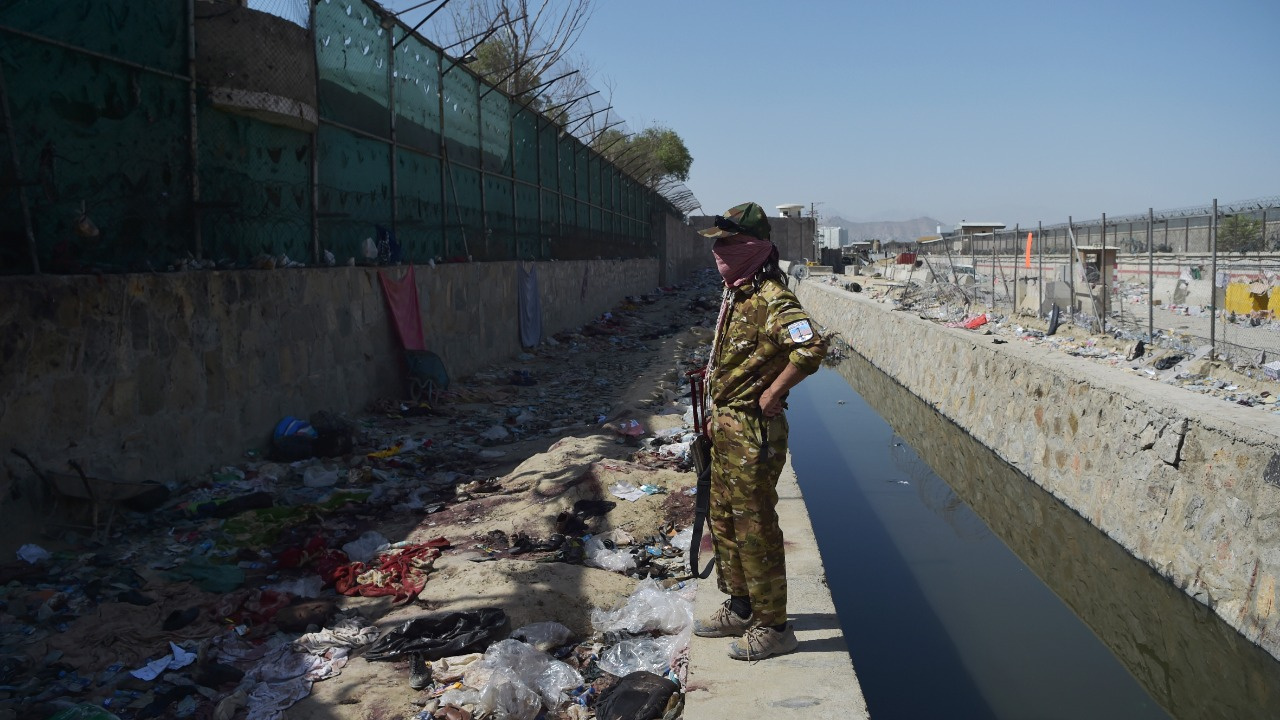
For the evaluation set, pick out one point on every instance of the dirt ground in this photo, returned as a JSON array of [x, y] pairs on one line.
[[512, 451]]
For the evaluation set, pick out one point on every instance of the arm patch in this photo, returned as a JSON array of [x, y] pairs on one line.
[[799, 331]]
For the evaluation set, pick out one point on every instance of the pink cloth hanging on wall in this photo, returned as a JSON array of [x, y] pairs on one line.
[[402, 299]]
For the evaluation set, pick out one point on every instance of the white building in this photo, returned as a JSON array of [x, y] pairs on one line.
[[791, 210], [832, 238]]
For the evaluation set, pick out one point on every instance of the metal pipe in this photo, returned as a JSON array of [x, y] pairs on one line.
[[601, 131], [421, 22], [455, 62], [605, 149], [567, 103], [554, 79], [514, 70], [576, 123], [482, 32]]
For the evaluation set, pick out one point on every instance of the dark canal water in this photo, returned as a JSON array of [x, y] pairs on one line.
[[966, 591]]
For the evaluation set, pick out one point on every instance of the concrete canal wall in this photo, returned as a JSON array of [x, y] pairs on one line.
[[159, 376], [1190, 485]]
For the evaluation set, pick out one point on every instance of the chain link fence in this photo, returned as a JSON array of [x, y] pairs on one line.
[[143, 135], [1202, 280]]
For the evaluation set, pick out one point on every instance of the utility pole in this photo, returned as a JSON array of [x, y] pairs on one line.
[[817, 243]]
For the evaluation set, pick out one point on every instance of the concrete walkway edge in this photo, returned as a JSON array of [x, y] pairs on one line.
[[817, 681]]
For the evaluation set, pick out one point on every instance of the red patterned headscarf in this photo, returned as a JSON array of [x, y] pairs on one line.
[[740, 256]]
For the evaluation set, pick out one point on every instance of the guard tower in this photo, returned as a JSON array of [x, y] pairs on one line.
[[794, 210]]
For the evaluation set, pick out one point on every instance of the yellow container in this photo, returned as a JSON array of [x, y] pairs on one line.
[[1242, 300]]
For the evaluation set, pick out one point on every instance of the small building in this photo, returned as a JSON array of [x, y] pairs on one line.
[[832, 237], [793, 210], [966, 233]]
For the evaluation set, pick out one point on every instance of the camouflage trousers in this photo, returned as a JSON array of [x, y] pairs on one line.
[[743, 514]]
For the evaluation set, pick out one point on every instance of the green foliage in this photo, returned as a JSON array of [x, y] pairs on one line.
[[1240, 233], [653, 156]]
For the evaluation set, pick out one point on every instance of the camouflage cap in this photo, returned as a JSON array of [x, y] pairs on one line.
[[747, 218]]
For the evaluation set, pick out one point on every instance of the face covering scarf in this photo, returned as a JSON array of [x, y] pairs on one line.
[[737, 261], [740, 259]]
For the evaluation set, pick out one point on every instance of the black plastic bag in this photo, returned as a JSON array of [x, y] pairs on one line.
[[640, 695], [439, 636]]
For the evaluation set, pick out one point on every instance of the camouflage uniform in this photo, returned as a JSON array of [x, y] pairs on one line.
[[763, 329]]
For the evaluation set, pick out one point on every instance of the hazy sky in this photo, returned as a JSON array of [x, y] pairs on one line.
[[1015, 111]]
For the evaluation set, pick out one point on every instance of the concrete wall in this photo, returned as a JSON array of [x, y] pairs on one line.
[[160, 376], [686, 250], [1189, 485]]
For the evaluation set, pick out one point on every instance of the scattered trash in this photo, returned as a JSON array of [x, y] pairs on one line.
[[365, 547], [33, 554], [178, 658], [438, 636], [1272, 370], [545, 636], [626, 491], [639, 694], [597, 555], [629, 428]]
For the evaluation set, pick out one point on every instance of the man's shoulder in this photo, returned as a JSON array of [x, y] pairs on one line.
[[772, 290]]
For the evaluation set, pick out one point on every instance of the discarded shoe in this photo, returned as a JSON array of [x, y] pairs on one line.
[[419, 672], [724, 622], [569, 524], [763, 641]]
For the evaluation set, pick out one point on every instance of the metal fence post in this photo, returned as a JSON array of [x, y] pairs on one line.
[[1071, 269], [1151, 277], [315, 147], [1213, 282], [194, 146], [12, 134], [1017, 231], [1103, 276], [391, 127], [1040, 280]]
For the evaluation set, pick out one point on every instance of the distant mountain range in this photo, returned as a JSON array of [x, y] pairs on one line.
[[902, 231]]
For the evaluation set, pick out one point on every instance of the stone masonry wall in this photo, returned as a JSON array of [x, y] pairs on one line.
[[1188, 485], [159, 376]]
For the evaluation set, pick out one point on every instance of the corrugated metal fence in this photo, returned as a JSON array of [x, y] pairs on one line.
[[150, 134]]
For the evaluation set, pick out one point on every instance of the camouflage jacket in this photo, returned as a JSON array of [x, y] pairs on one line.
[[763, 329]]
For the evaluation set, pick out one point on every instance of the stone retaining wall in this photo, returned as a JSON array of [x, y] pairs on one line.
[[158, 376], [1189, 485]]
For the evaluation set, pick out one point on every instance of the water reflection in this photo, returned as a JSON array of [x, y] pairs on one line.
[[1188, 660]]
